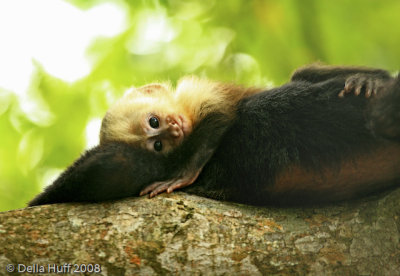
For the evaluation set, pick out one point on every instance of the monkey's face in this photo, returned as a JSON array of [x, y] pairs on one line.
[[147, 117], [164, 130]]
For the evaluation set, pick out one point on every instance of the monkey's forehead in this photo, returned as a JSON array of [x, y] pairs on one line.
[[123, 128], [152, 88], [140, 105]]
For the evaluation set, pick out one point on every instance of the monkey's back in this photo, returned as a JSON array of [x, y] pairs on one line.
[[300, 143]]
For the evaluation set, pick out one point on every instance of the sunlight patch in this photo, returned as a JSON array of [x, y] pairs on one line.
[[55, 34], [92, 132]]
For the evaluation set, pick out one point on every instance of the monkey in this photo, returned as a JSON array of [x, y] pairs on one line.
[[158, 118], [295, 144]]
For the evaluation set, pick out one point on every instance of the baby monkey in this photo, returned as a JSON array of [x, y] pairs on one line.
[[159, 118], [295, 144]]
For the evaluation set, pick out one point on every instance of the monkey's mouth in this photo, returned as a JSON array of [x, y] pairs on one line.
[[176, 130], [179, 128]]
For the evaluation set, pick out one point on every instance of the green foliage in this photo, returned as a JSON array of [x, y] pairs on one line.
[[250, 42]]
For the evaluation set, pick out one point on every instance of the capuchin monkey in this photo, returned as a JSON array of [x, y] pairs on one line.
[[313, 140], [158, 118]]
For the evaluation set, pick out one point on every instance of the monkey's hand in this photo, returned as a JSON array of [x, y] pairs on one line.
[[170, 185], [368, 84]]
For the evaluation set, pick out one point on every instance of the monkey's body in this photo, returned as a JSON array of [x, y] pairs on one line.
[[298, 143]]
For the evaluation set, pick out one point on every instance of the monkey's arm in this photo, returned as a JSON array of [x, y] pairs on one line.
[[317, 73], [186, 162]]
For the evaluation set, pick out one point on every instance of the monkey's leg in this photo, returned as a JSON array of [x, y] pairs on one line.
[[317, 73]]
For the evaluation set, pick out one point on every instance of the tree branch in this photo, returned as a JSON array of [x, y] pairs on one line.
[[180, 233]]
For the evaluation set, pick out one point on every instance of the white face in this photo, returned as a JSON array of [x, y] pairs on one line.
[[148, 117], [165, 132]]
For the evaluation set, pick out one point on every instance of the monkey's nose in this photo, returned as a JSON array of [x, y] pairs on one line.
[[174, 130]]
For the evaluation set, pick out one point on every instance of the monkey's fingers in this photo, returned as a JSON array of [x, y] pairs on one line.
[[355, 84], [170, 185], [174, 184], [370, 88], [373, 87], [358, 82], [183, 182], [151, 187], [162, 187], [341, 94], [349, 86]]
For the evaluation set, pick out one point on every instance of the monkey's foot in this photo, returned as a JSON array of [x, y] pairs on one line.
[[170, 185], [371, 85]]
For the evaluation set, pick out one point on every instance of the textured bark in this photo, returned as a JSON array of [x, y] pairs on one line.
[[190, 235]]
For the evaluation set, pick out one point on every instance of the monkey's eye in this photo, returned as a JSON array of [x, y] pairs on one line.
[[153, 122], [157, 146]]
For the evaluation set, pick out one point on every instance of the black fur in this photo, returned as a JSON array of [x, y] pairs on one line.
[[318, 73], [301, 123], [104, 173], [385, 112], [117, 170], [200, 145], [296, 124]]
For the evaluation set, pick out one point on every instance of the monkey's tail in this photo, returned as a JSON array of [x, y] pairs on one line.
[[385, 112]]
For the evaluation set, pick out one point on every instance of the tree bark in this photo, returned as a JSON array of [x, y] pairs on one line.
[[185, 234]]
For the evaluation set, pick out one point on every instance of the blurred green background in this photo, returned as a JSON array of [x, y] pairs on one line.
[[62, 63]]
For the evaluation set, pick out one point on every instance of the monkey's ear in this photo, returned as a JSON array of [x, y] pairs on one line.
[[106, 172]]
